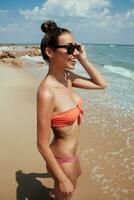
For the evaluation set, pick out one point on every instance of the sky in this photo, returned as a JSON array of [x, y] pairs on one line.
[[90, 21]]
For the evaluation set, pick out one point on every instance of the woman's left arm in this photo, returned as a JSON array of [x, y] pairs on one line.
[[96, 81]]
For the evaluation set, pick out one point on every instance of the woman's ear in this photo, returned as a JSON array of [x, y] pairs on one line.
[[49, 52]]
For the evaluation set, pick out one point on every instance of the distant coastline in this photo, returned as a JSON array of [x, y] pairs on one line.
[[92, 43]]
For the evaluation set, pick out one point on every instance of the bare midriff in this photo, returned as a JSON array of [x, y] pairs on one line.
[[65, 141], [66, 138]]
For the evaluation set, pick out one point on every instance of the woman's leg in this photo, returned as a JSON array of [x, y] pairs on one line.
[[72, 171], [77, 162], [58, 194]]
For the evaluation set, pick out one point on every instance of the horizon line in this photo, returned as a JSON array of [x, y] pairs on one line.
[[36, 43]]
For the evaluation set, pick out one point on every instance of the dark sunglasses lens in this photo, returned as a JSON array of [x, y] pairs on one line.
[[70, 49], [78, 47]]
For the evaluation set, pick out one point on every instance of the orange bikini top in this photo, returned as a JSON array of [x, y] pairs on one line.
[[68, 117]]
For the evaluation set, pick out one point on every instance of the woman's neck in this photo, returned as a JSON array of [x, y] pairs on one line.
[[57, 74]]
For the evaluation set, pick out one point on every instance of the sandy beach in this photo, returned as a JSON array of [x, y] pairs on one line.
[[105, 149]]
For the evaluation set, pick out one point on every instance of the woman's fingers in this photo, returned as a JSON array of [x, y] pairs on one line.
[[70, 194]]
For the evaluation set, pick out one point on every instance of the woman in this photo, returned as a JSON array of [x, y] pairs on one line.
[[60, 108]]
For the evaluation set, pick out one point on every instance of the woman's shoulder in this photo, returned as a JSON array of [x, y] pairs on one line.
[[45, 91], [46, 84], [45, 100]]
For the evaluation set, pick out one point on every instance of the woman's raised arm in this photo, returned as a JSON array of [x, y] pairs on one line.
[[95, 80]]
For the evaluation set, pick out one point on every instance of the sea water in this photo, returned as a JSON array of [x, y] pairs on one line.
[[116, 62]]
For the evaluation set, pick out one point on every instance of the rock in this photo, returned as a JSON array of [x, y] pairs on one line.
[[40, 62], [12, 56], [6, 54], [13, 61]]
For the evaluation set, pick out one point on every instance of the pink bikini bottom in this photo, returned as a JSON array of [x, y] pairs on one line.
[[62, 161], [66, 160]]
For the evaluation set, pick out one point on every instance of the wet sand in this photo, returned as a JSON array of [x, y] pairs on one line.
[[105, 148]]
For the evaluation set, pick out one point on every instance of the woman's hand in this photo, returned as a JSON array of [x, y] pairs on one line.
[[66, 187], [82, 54]]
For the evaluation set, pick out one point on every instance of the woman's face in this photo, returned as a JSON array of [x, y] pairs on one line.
[[60, 56]]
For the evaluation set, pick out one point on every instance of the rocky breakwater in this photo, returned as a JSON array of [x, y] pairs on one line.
[[14, 56]]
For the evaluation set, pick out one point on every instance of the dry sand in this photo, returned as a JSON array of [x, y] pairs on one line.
[[105, 155]]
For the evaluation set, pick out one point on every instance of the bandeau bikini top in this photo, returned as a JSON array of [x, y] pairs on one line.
[[68, 117]]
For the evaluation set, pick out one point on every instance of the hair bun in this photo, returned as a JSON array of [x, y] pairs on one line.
[[48, 26]]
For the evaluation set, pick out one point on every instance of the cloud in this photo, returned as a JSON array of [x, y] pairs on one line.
[[62, 8], [87, 19], [16, 27], [20, 32], [9, 28], [3, 13], [118, 21], [97, 13]]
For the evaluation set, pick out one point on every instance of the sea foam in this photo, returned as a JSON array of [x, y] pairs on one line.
[[33, 58], [120, 70]]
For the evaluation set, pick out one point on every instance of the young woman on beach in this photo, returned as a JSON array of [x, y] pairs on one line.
[[59, 107]]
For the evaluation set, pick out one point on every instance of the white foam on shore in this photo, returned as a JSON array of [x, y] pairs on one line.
[[5, 48], [33, 58], [120, 70], [11, 48], [112, 45]]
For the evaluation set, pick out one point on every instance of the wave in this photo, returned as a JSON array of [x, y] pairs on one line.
[[33, 58], [121, 71], [4, 48], [112, 45], [11, 48]]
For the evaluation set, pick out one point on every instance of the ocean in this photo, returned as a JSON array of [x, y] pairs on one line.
[[116, 62]]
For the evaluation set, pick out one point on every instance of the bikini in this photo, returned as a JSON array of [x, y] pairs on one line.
[[68, 118]]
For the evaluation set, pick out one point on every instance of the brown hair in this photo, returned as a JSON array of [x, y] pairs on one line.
[[50, 39]]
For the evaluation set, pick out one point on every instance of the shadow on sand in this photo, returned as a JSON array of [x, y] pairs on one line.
[[30, 188]]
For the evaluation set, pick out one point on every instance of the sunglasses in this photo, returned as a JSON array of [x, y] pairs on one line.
[[70, 48]]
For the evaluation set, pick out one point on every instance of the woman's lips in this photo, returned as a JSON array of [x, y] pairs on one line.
[[73, 61]]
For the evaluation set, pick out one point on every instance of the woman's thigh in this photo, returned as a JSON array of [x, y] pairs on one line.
[[78, 167], [71, 170]]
